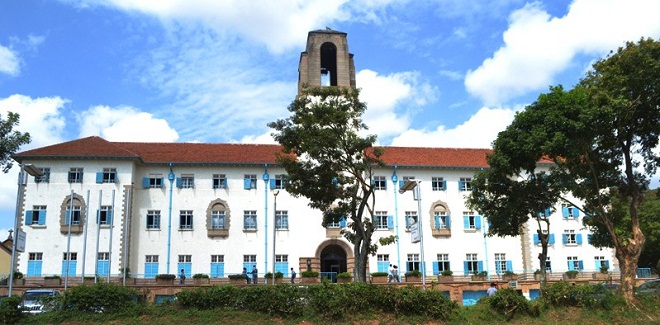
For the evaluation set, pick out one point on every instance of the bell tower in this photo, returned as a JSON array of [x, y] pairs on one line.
[[326, 61]]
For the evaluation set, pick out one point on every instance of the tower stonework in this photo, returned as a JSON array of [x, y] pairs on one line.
[[326, 60]]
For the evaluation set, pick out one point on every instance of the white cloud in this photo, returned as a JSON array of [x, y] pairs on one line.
[[477, 132], [392, 99], [264, 138], [9, 63], [537, 46], [125, 124]]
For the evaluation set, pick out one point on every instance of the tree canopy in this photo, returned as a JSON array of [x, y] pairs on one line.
[[10, 140], [329, 163]]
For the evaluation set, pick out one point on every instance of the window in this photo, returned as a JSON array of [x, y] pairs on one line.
[[35, 261], [108, 175], [153, 219], [405, 179], [470, 221], [75, 175], [574, 263], [249, 220], [501, 264], [150, 266], [36, 216], [105, 215], [75, 219], [103, 264], [69, 264], [250, 181], [438, 184], [219, 181], [442, 264], [412, 263], [45, 178], [569, 211], [217, 266], [383, 262], [465, 184], [380, 183], [472, 265], [153, 181], [571, 238], [249, 261], [282, 264], [601, 263], [281, 220], [218, 219], [548, 264], [441, 219], [278, 182], [185, 220], [381, 220], [551, 238], [411, 218], [186, 181], [185, 264]]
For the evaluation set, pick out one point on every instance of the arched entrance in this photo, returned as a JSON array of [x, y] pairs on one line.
[[333, 261]]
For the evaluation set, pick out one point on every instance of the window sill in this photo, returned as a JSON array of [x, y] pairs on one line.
[[249, 230], [153, 229], [571, 244], [185, 229], [471, 229], [38, 226]]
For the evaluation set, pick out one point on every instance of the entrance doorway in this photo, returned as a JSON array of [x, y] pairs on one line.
[[333, 261]]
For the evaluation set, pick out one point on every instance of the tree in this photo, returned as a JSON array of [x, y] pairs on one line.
[[10, 140], [519, 184], [331, 165], [602, 145]]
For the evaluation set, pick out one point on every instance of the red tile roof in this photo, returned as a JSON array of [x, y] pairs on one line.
[[224, 153]]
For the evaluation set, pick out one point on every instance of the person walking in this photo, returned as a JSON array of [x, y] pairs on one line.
[[182, 277], [293, 276], [247, 279], [492, 290], [390, 273], [255, 275]]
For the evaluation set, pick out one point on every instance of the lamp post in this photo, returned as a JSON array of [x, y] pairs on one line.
[[413, 185], [34, 171], [275, 193]]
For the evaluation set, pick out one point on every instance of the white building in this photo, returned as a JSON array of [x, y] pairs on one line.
[[211, 208]]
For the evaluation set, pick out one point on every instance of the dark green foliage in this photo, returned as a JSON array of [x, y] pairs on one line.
[[310, 274], [200, 276], [10, 313], [564, 294], [100, 297], [10, 140], [209, 298], [433, 304], [165, 276], [508, 302]]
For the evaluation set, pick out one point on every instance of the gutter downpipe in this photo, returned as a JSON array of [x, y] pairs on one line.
[[98, 237], [84, 250], [170, 177], [266, 177], [486, 247], [112, 228], [395, 186], [127, 226], [68, 243]]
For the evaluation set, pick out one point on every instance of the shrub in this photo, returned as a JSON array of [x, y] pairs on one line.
[[100, 297], [414, 273], [200, 276], [18, 275], [376, 274], [310, 274], [412, 301], [447, 272], [165, 276], [509, 302], [603, 269], [344, 275], [10, 312], [572, 274], [482, 274], [509, 273], [237, 276], [52, 277], [278, 275], [563, 294]]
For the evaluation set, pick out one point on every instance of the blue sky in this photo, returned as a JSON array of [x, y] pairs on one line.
[[434, 73]]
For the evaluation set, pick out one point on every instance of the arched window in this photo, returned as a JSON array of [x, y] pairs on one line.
[[328, 64]]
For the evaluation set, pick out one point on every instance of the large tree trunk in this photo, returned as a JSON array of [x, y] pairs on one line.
[[628, 260], [360, 261]]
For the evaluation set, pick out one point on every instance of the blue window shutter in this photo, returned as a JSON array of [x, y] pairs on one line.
[[564, 238], [548, 212], [42, 218], [597, 264], [28, 217], [578, 238], [589, 238], [67, 217], [247, 183], [460, 185], [607, 263], [576, 212], [477, 222], [179, 182], [109, 216], [407, 223], [444, 185], [466, 222], [465, 268], [99, 177], [437, 221], [342, 222], [272, 184], [509, 266], [551, 239], [436, 268], [448, 219], [581, 265], [480, 266], [536, 239], [564, 212], [570, 265], [390, 222]]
